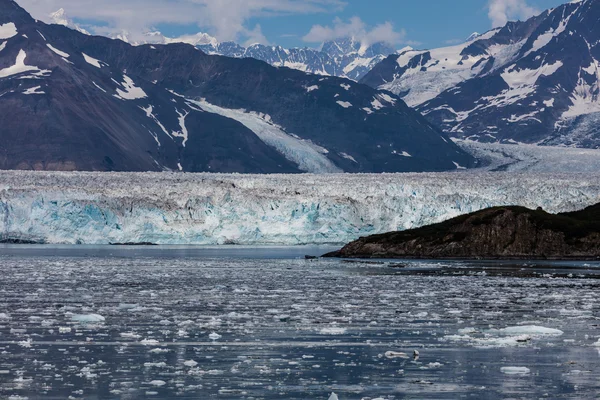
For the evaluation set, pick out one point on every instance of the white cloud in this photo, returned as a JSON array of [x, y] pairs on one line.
[[502, 11], [356, 28], [226, 19]]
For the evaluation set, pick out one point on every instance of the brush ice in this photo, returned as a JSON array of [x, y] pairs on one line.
[[515, 370], [530, 330], [88, 318]]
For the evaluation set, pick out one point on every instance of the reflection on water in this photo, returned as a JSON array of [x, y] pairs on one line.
[[244, 323]]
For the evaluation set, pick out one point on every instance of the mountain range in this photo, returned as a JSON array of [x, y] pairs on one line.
[[535, 81], [345, 57], [72, 101]]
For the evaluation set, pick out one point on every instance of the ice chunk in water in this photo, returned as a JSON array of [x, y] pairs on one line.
[[530, 330], [332, 331], [88, 318], [395, 354], [515, 370], [333, 397]]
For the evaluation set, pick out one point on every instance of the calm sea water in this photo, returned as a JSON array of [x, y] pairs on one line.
[[263, 323]]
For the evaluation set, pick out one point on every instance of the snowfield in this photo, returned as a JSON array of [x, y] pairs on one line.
[[176, 208]]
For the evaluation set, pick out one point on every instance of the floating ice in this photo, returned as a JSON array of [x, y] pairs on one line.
[[530, 330], [394, 354], [333, 397], [158, 383], [214, 336], [332, 331], [88, 318], [515, 370]]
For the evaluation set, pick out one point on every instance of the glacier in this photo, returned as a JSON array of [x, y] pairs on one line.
[[213, 209]]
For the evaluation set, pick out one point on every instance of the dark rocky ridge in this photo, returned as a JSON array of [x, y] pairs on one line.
[[500, 232]]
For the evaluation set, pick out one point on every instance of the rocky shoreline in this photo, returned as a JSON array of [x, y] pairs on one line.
[[494, 233]]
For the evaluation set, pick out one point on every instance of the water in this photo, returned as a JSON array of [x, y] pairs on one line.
[[263, 323]]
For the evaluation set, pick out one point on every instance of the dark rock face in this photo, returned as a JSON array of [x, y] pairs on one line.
[[71, 101], [536, 81], [502, 232]]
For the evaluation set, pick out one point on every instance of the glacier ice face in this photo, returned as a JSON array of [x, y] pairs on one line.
[[175, 208]]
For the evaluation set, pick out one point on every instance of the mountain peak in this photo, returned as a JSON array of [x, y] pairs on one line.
[[59, 17], [473, 36]]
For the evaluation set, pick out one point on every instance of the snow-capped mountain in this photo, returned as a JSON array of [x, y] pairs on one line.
[[347, 58], [71, 101], [535, 81]]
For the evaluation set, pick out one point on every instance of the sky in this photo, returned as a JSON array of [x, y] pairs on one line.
[[297, 23]]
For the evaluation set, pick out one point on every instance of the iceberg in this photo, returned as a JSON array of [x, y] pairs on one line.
[[213, 209]]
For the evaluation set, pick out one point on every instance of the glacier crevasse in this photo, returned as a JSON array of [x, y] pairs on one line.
[[176, 208]]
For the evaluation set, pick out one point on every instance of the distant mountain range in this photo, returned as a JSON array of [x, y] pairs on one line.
[[72, 101], [536, 81], [347, 58]]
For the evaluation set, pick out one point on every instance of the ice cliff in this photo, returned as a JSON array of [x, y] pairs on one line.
[[176, 208]]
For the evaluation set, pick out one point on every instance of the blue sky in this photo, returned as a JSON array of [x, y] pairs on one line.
[[297, 23]]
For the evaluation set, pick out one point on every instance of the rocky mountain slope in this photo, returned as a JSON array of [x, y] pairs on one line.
[[502, 232], [72, 101], [347, 58], [533, 82]]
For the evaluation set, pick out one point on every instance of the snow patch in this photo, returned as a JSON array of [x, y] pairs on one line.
[[55, 50], [20, 67], [184, 132], [34, 90], [8, 31], [130, 92], [348, 157], [92, 61], [528, 77]]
